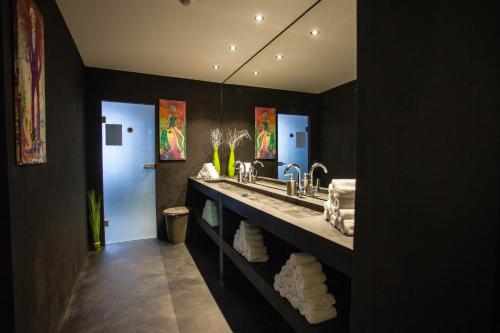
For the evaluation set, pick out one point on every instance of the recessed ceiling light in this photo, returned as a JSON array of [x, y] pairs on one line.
[[314, 32], [279, 56], [259, 18], [255, 73], [216, 67], [233, 47]]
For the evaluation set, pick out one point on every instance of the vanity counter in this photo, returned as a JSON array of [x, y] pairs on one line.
[[299, 221]]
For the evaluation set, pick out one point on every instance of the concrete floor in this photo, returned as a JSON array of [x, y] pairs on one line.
[[143, 286]]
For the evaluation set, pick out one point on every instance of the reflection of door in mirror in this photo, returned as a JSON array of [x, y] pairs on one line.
[[293, 142]]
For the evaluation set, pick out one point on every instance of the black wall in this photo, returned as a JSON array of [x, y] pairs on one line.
[[427, 203], [203, 101], [47, 201], [337, 132]]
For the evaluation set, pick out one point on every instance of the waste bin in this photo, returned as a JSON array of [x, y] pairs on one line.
[[176, 219]]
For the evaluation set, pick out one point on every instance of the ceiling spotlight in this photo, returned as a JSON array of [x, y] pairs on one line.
[[314, 32], [259, 18], [216, 67], [255, 73], [232, 48], [279, 56]]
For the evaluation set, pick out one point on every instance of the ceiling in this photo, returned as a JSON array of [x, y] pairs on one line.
[[163, 37], [309, 64]]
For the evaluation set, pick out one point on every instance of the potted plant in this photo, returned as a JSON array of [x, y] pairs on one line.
[[94, 203]]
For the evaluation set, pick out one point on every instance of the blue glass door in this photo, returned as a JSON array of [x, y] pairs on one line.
[[293, 142], [128, 156]]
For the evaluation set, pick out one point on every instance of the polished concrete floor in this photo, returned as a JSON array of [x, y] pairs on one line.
[[143, 286]]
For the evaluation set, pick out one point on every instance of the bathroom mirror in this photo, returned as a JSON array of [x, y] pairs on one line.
[[307, 75]]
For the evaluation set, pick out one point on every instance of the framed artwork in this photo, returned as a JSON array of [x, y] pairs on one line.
[[265, 133], [172, 130], [29, 83]]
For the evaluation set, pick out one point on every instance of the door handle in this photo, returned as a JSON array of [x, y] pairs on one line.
[[281, 163], [149, 166]]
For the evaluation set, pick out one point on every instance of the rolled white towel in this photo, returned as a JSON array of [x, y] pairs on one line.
[[311, 292], [347, 227], [346, 214], [252, 236], [255, 250], [319, 316], [301, 258], [251, 243], [305, 269], [318, 302], [258, 258], [310, 280], [344, 182]]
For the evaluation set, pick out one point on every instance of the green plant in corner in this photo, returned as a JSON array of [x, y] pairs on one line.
[[94, 202]]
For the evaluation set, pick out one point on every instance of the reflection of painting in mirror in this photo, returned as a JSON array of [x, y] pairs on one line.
[[265, 133], [172, 123], [29, 62]]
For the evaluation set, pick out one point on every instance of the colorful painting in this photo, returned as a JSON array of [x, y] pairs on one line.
[[265, 133], [172, 132], [29, 62]]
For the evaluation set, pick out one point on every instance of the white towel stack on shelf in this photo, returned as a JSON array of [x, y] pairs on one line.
[[208, 172], [249, 243], [339, 209], [302, 282], [211, 213]]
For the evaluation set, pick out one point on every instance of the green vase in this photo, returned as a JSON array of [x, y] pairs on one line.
[[216, 160], [230, 165]]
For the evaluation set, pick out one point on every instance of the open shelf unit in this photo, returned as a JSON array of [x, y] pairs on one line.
[[261, 275]]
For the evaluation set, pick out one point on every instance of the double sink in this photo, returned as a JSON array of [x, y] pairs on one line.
[[272, 193]]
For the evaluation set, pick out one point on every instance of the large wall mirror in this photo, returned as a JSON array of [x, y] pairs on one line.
[[296, 96]]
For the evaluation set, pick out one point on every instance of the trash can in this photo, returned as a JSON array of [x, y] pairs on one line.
[[176, 219]]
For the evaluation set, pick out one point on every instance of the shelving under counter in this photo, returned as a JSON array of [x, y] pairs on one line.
[[298, 221]]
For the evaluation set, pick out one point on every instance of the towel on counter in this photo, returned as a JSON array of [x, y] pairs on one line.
[[208, 172]]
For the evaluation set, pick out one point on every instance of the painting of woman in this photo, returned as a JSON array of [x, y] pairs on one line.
[[172, 130], [265, 133]]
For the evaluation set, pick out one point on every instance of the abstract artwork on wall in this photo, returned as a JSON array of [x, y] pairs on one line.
[[172, 132], [29, 64], [265, 133]]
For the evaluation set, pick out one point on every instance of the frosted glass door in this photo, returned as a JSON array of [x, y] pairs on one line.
[[128, 143], [293, 142]]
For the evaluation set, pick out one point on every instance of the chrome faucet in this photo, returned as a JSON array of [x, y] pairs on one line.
[[252, 173], [242, 177], [311, 188], [300, 189]]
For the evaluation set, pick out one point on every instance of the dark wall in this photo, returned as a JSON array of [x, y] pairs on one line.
[[203, 101], [337, 131], [47, 201], [238, 111], [427, 203], [203, 104], [7, 316]]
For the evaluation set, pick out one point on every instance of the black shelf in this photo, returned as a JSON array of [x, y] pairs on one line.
[[261, 275], [212, 232]]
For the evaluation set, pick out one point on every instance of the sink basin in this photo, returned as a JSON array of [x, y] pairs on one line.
[[276, 199]]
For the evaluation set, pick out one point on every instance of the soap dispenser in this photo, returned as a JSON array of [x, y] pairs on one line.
[[291, 186]]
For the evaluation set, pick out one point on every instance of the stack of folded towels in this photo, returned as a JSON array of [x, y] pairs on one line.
[[249, 243], [208, 172], [339, 209], [302, 282], [211, 213]]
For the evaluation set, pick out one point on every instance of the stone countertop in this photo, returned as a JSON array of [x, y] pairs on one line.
[[309, 220]]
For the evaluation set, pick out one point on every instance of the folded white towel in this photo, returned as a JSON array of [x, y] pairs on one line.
[[305, 269], [249, 231], [318, 302], [256, 250], [310, 280], [208, 172], [258, 258], [311, 292], [346, 227], [252, 236], [301, 258], [344, 182], [319, 316]]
